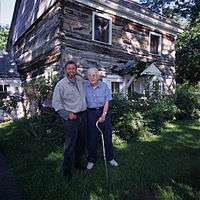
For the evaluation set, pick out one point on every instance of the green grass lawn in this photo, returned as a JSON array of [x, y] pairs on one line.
[[164, 167]]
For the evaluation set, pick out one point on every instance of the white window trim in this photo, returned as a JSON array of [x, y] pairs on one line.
[[110, 27], [115, 78], [160, 43], [161, 85], [4, 88]]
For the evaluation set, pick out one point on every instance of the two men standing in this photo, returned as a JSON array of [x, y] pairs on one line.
[[69, 101]]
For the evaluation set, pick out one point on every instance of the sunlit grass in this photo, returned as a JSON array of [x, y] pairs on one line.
[[162, 167]]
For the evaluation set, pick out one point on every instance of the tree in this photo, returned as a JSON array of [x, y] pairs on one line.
[[188, 49], [3, 37], [188, 54], [188, 42], [176, 9]]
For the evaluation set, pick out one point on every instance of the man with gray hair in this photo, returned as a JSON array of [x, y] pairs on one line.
[[69, 101]]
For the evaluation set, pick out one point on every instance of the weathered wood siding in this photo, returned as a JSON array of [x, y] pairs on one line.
[[40, 46], [50, 32], [129, 40], [29, 11]]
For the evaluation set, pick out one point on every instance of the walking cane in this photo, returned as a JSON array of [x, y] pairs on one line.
[[104, 152]]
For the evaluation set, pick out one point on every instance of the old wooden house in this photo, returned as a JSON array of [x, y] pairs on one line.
[[115, 36]]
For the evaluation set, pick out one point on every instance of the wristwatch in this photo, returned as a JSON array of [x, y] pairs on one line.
[[104, 113]]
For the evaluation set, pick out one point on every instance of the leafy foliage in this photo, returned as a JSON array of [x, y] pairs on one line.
[[172, 8], [188, 43], [48, 126], [158, 112], [3, 37], [188, 55], [38, 90], [188, 101], [138, 113]]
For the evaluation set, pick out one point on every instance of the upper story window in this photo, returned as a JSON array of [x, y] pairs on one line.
[[155, 43], [101, 28]]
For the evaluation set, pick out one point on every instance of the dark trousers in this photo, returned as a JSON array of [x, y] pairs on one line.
[[94, 134], [75, 140]]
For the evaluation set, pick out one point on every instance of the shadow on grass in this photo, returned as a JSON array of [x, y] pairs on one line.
[[148, 168], [172, 159]]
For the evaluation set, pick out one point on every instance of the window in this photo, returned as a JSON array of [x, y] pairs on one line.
[[1, 88], [102, 28], [3, 91], [155, 43], [156, 86], [6, 88], [116, 83], [131, 89], [115, 87]]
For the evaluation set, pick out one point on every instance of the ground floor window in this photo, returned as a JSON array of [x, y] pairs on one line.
[[115, 87], [146, 86], [116, 83], [3, 91]]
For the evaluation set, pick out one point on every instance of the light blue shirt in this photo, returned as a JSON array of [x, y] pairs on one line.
[[96, 97]]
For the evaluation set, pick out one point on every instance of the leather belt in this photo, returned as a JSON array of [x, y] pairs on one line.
[[98, 108]]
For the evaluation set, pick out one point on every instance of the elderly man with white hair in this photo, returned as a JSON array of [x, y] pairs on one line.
[[98, 96]]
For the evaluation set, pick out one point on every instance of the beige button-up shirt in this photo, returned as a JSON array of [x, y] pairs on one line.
[[69, 97]]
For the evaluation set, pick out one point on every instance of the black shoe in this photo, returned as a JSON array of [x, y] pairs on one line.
[[67, 175]]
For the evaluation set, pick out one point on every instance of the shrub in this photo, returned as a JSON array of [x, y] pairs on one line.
[[188, 101], [127, 119], [159, 112], [47, 126], [139, 113], [129, 125]]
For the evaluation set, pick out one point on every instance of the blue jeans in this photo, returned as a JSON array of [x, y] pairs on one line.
[[94, 134]]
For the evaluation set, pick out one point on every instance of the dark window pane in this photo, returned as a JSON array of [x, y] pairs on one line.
[[6, 88], [101, 29], [154, 44], [131, 89], [115, 87], [1, 88]]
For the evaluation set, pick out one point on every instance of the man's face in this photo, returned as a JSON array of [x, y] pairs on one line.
[[71, 70]]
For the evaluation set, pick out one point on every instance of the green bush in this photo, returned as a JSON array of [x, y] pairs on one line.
[[158, 112], [47, 126], [129, 125], [127, 119], [188, 101], [139, 113]]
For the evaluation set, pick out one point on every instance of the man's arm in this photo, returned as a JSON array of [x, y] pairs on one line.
[[57, 104]]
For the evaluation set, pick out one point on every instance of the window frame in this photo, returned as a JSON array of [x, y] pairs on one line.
[[119, 84], [159, 45], [115, 78], [5, 88], [110, 27]]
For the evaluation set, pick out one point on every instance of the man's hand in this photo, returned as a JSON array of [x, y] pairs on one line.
[[72, 116]]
